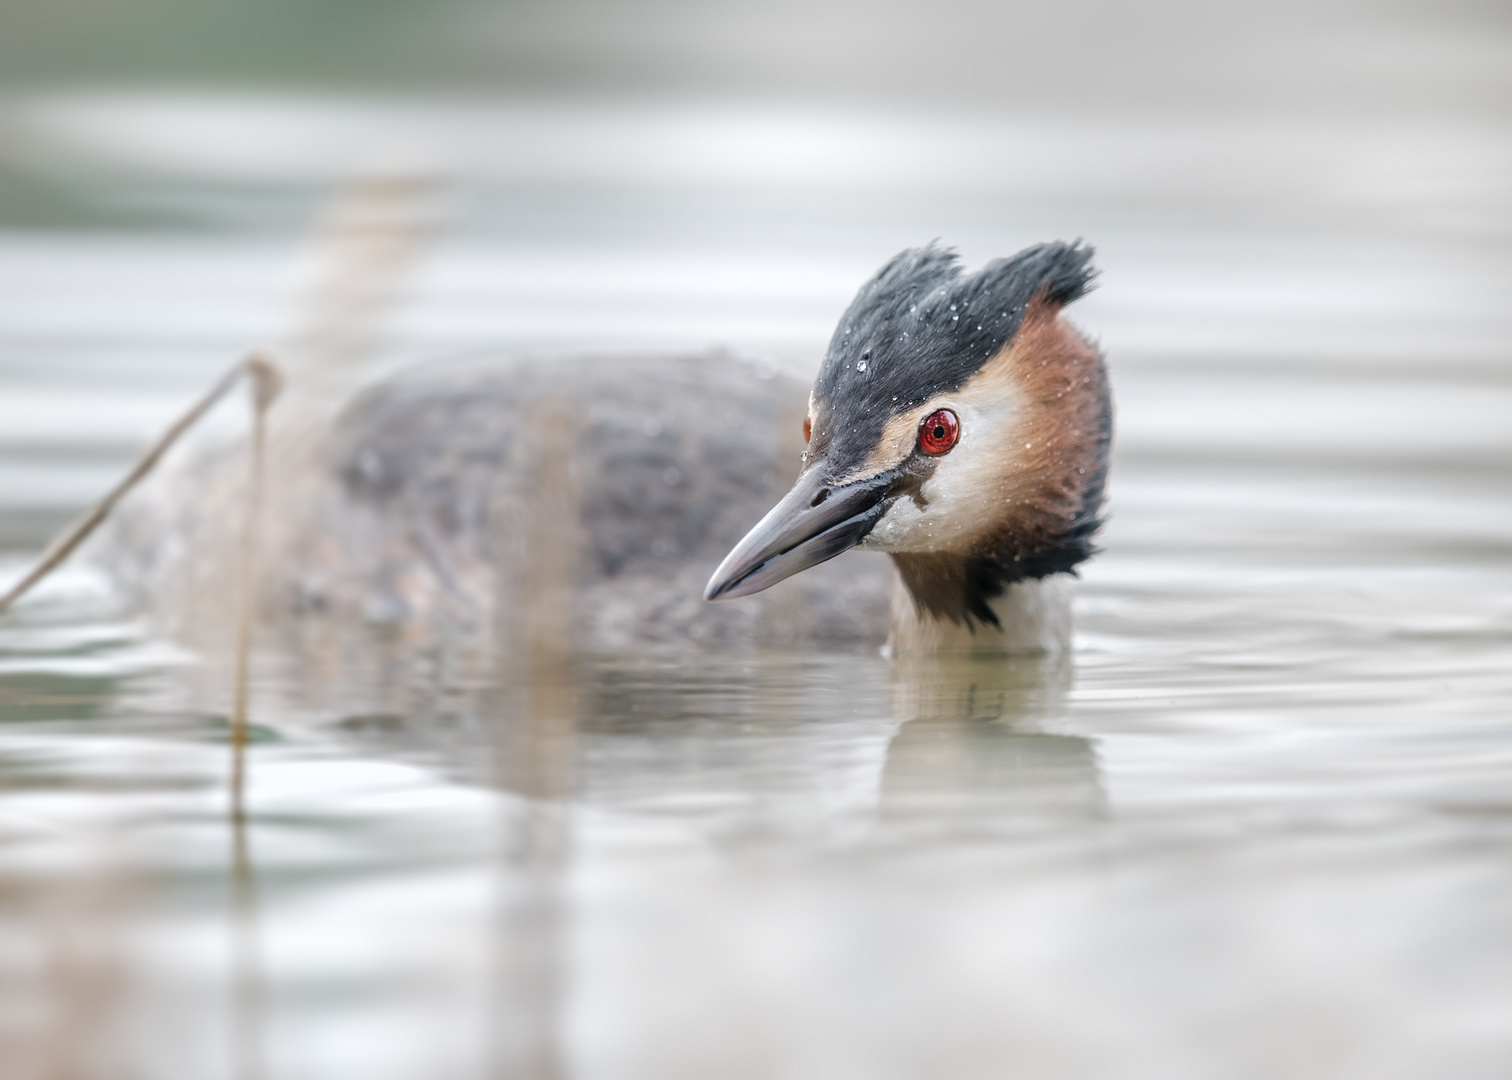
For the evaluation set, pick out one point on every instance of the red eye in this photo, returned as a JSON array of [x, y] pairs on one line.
[[939, 432], [808, 428]]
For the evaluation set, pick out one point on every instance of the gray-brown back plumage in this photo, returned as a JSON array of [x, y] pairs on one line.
[[419, 511]]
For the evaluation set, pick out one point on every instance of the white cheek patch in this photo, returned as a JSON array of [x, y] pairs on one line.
[[902, 528], [972, 487]]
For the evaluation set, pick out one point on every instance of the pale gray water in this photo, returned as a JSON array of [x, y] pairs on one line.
[[1261, 825]]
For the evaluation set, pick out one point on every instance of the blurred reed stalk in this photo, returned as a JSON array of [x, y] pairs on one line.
[[247, 988], [539, 558], [263, 373], [247, 995], [366, 240], [266, 383]]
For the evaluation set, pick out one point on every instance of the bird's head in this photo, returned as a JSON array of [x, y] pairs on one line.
[[956, 423]]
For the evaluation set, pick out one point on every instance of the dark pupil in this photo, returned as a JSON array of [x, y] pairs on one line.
[[939, 431]]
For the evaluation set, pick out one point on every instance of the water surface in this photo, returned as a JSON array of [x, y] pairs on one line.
[[1259, 824]]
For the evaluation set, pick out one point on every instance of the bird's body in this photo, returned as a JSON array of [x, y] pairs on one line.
[[420, 510], [448, 503]]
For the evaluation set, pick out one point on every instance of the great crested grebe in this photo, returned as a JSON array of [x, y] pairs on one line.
[[957, 424]]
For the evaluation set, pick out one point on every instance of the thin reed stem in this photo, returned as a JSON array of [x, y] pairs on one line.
[[265, 387], [65, 544]]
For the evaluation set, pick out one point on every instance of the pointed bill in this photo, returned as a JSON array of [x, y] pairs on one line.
[[813, 523]]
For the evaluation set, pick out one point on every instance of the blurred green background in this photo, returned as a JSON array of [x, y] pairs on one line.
[[1344, 54], [1389, 72]]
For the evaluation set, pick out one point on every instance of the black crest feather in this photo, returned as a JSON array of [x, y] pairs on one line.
[[922, 327]]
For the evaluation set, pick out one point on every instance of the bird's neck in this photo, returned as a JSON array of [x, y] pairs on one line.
[[941, 603]]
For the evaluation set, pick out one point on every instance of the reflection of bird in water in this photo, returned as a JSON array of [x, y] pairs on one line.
[[957, 424], [981, 738], [826, 745]]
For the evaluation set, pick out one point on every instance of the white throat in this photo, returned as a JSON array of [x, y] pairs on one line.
[[1033, 617]]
